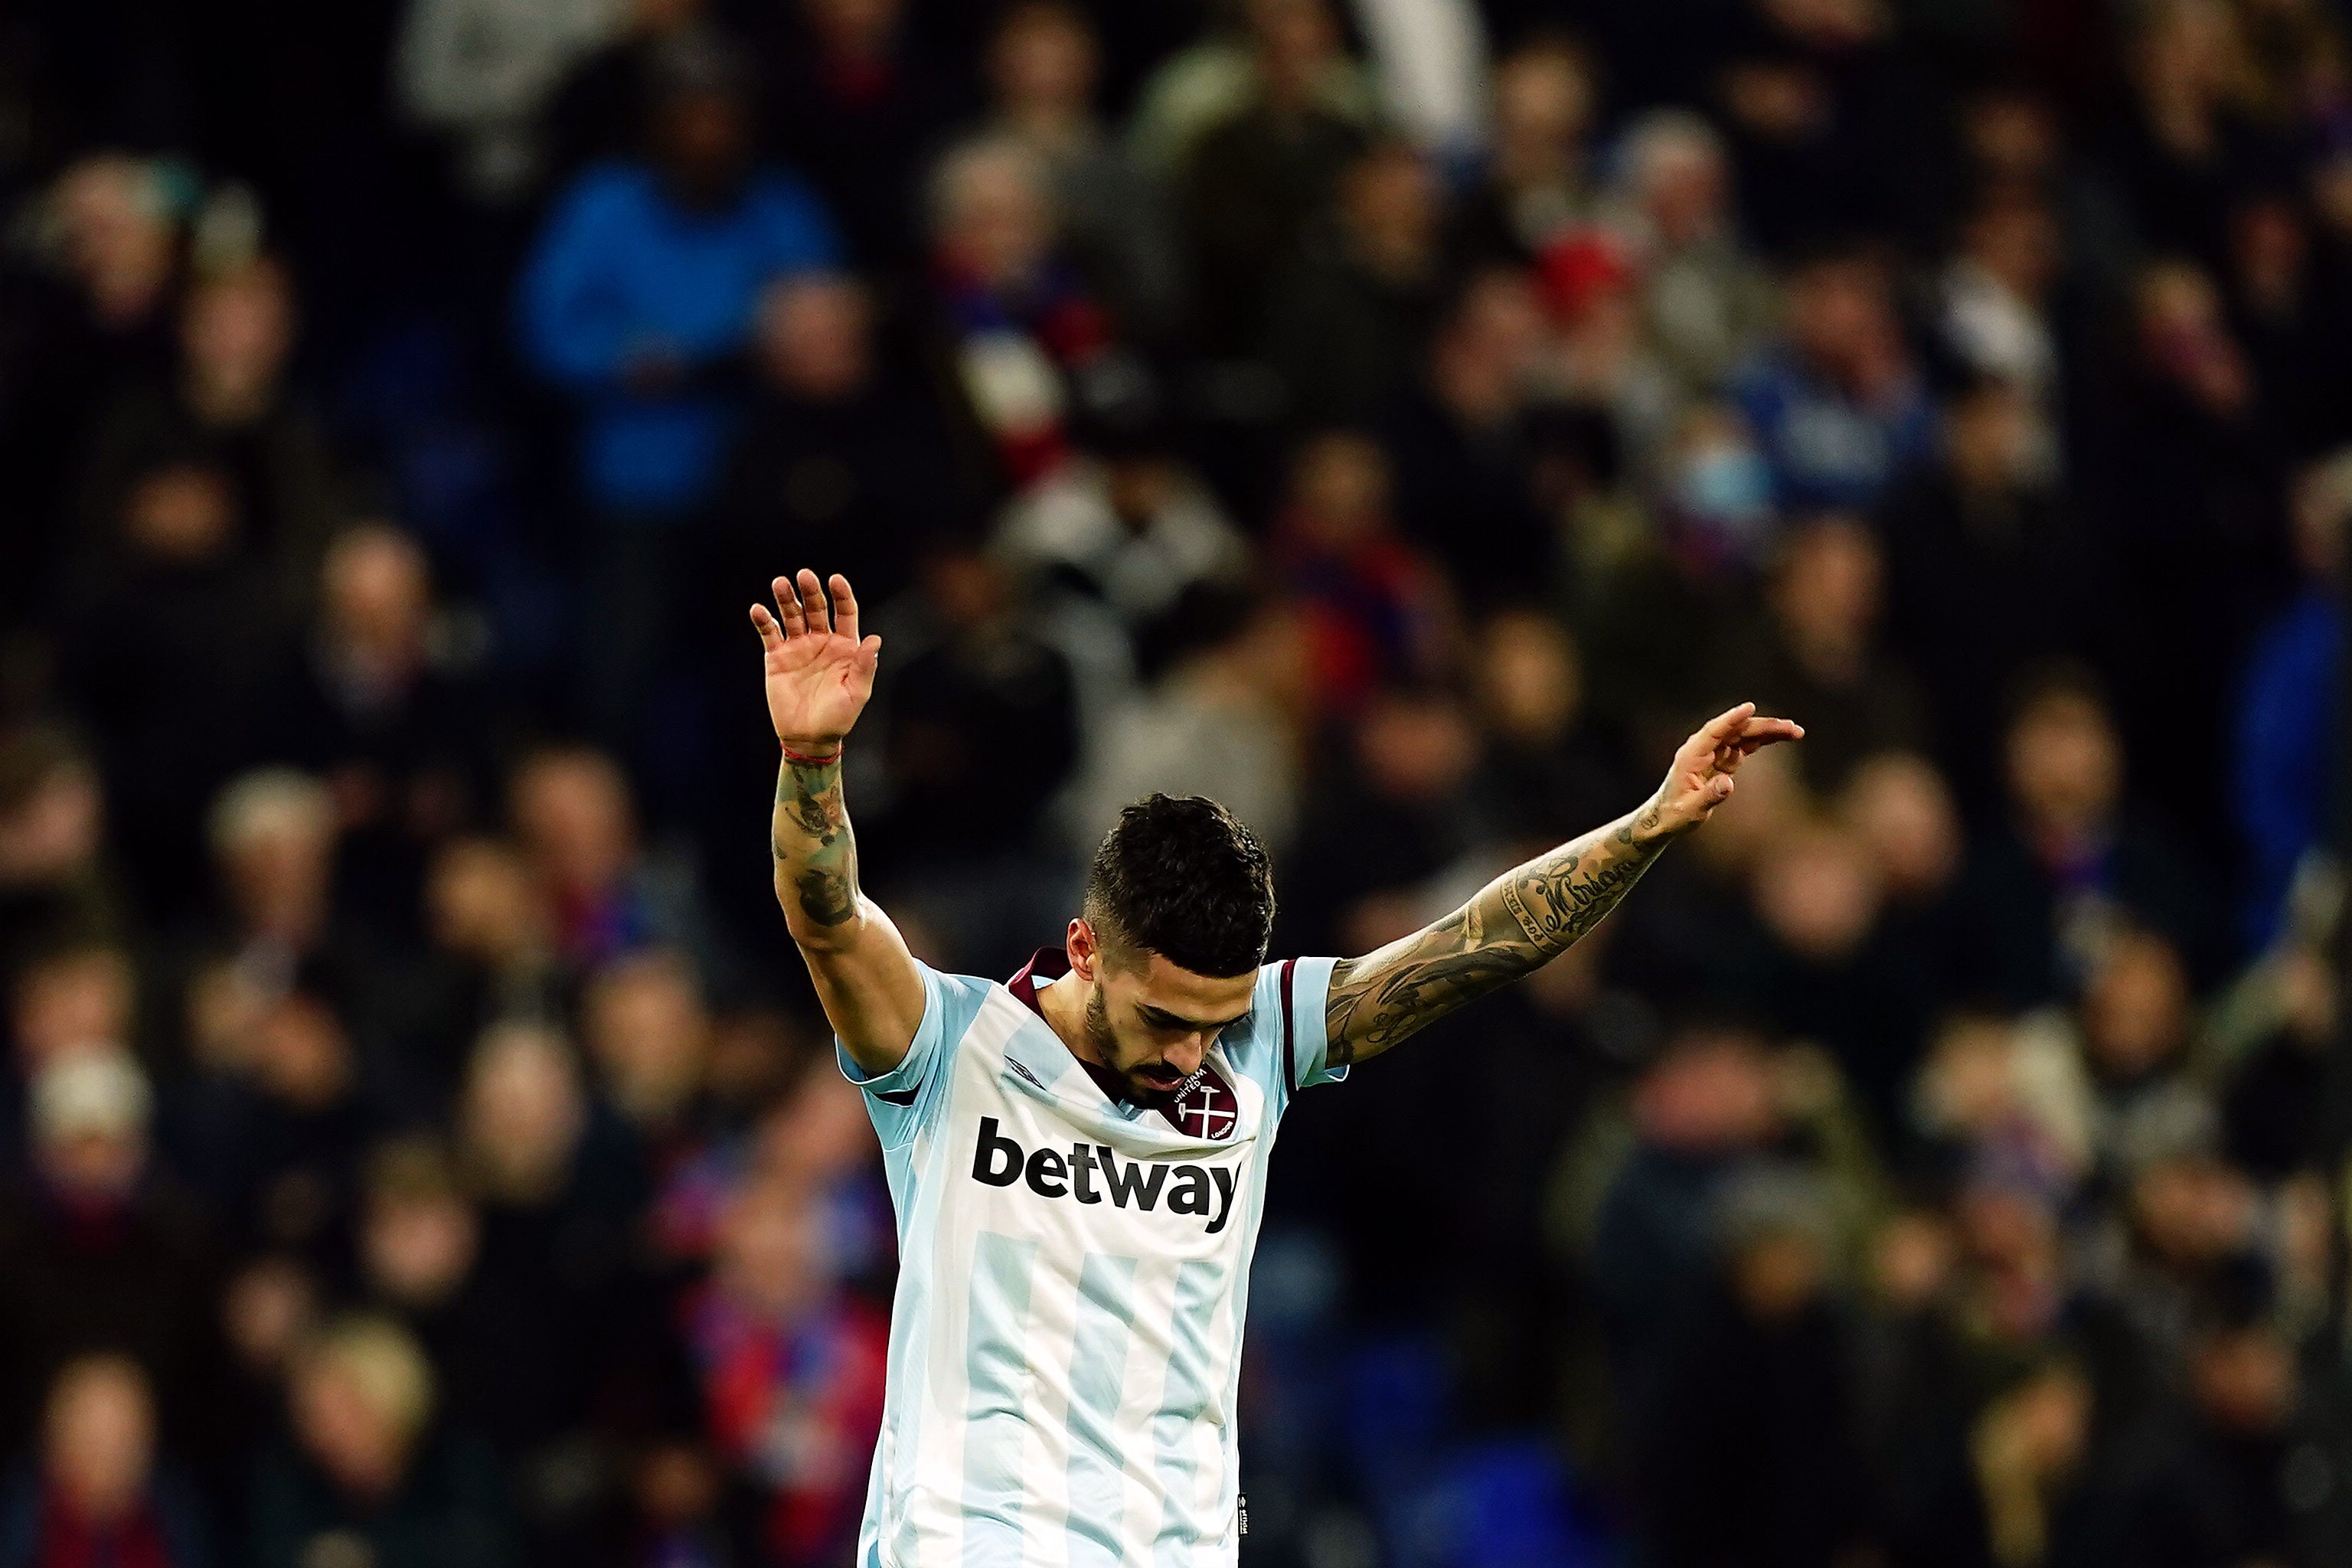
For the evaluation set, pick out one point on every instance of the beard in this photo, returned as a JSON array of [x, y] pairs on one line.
[[1139, 1090], [1098, 1032]]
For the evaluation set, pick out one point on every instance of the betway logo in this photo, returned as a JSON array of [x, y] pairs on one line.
[[1000, 1162]]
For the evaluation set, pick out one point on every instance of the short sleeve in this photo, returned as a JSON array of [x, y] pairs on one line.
[[910, 1097], [1281, 1047], [1309, 1062]]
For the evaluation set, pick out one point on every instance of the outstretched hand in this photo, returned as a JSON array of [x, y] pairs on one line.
[[1701, 777], [819, 671]]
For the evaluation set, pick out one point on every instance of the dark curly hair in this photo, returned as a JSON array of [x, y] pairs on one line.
[[1181, 876]]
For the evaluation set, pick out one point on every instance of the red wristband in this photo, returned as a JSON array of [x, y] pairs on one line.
[[805, 761]]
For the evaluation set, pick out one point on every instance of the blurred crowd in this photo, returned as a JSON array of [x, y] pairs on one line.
[[1399, 419]]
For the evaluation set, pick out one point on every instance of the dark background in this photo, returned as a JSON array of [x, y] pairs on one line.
[[1401, 419]]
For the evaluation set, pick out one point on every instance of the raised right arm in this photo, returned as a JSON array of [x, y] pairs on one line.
[[819, 676]]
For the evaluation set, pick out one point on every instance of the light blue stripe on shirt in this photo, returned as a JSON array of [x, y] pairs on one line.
[[996, 1370], [1105, 1324], [1183, 1400]]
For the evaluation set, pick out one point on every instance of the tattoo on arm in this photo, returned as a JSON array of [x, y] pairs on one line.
[[815, 851], [828, 898], [1519, 921]]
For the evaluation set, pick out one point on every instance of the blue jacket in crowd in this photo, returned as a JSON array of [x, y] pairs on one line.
[[1826, 450], [2286, 741], [623, 272]]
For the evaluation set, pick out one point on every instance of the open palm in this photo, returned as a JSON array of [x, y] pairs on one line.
[[819, 672]]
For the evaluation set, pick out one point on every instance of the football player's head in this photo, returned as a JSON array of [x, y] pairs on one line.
[[1178, 907]]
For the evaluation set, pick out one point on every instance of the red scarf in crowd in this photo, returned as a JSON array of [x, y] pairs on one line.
[[823, 1373], [67, 1539]]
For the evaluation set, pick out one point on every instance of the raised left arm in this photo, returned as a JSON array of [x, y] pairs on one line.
[[1533, 913]]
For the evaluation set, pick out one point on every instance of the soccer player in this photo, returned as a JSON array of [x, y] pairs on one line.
[[1078, 1155]]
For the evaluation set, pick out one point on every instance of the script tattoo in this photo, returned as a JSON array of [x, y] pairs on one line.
[[1519, 921], [814, 850]]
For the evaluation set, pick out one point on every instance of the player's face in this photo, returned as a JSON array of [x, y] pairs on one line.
[[1151, 1022]]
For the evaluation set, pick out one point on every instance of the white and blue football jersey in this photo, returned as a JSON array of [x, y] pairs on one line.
[[1074, 1272]]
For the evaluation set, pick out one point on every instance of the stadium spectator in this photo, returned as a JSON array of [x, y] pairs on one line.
[[603, 105], [1125, 525], [855, 98], [1227, 720], [1707, 300], [1765, 1368], [2286, 704], [791, 1372], [1997, 310], [1819, 650], [1347, 319], [71, 998], [273, 1135], [1366, 862], [607, 895], [1822, 965], [2187, 528], [2073, 859], [1264, 130], [1538, 184], [389, 715], [649, 1037], [844, 457], [274, 833], [1904, 811], [100, 1253], [214, 625], [552, 1184], [88, 313], [639, 294], [100, 1493], [968, 672], [367, 1472], [1986, 573], [2185, 136], [228, 408], [676, 1491], [1042, 69], [492, 957], [2290, 326], [1836, 403], [1020, 322], [55, 884], [1548, 761], [1374, 607], [1699, 1109], [1465, 443], [1215, 76]]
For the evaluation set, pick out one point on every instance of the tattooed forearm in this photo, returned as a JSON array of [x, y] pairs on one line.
[[1516, 923], [1557, 899], [828, 898], [815, 851]]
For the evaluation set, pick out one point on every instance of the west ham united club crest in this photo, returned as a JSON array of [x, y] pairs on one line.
[[1205, 1109]]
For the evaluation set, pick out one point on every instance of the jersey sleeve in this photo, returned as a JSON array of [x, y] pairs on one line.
[[1283, 1047], [910, 1097], [1310, 1046]]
